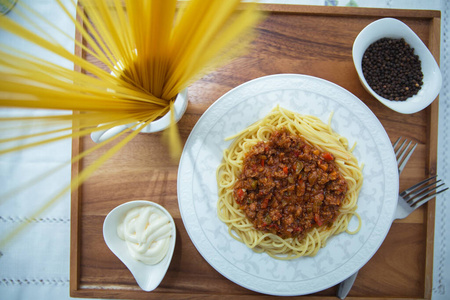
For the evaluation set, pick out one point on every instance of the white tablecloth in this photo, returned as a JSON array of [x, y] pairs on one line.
[[35, 265]]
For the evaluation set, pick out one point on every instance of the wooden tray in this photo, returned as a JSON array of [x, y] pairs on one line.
[[308, 40]]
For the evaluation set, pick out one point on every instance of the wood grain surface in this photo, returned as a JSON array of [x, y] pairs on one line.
[[308, 40]]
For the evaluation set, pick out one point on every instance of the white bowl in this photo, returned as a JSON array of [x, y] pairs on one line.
[[148, 277], [180, 105], [432, 78]]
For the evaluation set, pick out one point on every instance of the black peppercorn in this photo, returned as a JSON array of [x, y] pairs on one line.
[[392, 70]]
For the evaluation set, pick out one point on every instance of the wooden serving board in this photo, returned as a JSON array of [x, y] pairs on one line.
[[308, 40]]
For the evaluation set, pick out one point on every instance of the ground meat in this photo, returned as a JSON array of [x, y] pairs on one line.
[[288, 187]]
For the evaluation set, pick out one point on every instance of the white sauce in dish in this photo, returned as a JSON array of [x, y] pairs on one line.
[[147, 231]]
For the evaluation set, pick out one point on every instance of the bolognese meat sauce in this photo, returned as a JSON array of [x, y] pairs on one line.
[[288, 187]]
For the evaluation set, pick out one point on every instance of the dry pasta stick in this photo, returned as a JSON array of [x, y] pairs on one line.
[[83, 176], [143, 43]]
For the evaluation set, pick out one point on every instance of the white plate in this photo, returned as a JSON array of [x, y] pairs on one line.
[[344, 253]]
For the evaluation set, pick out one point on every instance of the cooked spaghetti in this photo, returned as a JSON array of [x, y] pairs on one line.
[[286, 184]]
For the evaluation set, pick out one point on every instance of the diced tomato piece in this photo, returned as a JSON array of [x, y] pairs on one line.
[[265, 203], [328, 156], [262, 162], [240, 195], [318, 220], [285, 170]]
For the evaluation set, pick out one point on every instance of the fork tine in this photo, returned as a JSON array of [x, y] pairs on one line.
[[396, 142], [409, 190], [400, 148], [405, 160], [425, 199], [423, 191], [417, 195], [403, 150]]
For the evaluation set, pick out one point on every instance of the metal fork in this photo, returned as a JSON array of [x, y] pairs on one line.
[[408, 201], [401, 150], [417, 195]]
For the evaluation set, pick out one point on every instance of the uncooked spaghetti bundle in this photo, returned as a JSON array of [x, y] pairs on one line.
[[147, 51]]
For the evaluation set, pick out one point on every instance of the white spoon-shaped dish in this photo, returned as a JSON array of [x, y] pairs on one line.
[[148, 277]]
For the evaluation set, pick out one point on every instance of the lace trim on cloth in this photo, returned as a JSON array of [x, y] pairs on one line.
[[441, 279], [34, 281], [17, 219]]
